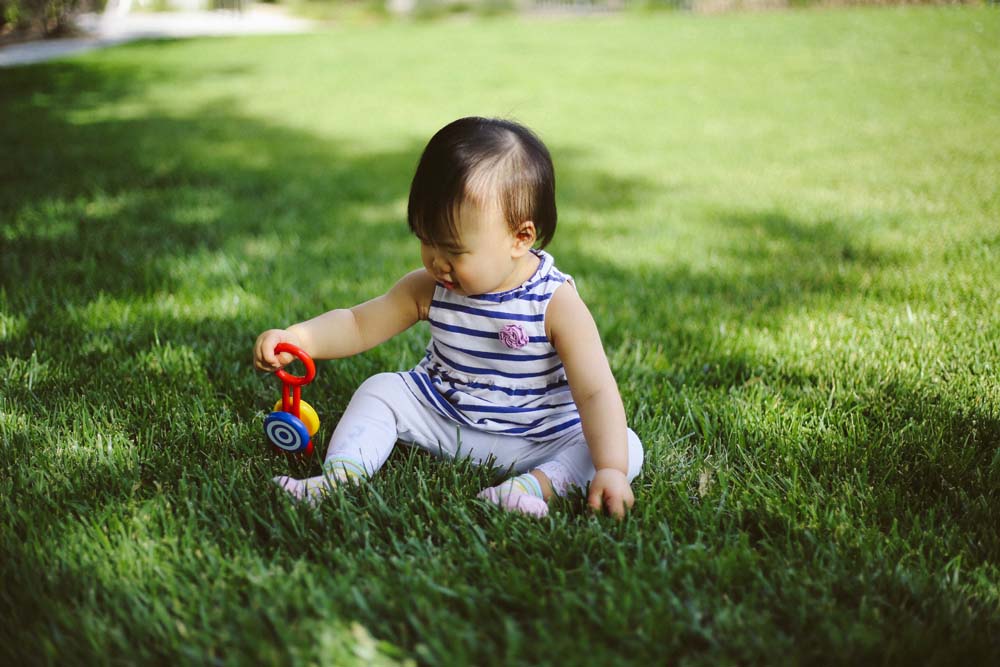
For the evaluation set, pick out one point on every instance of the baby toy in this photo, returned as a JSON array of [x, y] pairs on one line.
[[293, 423]]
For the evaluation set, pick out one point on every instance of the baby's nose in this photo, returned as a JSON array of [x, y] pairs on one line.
[[441, 264]]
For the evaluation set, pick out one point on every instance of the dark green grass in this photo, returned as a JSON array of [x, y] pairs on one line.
[[786, 226]]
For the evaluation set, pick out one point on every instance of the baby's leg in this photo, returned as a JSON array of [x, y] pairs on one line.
[[527, 492], [551, 468], [571, 465], [430, 431], [363, 439]]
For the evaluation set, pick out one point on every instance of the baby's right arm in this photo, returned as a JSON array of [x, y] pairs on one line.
[[346, 332]]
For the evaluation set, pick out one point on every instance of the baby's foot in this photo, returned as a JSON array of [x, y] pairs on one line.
[[336, 471], [521, 494], [311, 490]]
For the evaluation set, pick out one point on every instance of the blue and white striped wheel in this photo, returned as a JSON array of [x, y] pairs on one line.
[[286, 431]]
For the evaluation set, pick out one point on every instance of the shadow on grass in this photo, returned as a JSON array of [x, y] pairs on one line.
[[765, 265], [140, 256]]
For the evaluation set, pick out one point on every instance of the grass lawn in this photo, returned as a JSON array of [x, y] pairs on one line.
[[786, 224]]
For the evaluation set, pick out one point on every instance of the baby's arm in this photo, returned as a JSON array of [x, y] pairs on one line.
[[574, 334], [345, 332]]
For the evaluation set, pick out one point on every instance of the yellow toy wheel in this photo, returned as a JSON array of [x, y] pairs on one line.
[[306, 414]]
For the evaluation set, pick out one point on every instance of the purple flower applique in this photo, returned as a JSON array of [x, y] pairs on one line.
[[513, 336]]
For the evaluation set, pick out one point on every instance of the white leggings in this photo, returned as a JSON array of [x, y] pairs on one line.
[[384, 411]]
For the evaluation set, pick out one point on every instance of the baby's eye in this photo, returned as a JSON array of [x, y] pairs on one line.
[[452, 250]]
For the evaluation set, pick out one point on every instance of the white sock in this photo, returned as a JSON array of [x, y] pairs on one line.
[[351, 469], [311, 490], [337, 470], [519, 494], [526, 483]]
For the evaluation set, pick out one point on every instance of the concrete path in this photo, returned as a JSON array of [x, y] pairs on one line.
[[110, 29]]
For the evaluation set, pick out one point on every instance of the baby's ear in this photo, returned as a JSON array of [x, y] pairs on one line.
[[525, 237]]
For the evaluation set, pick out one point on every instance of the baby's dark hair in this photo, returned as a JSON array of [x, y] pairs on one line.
[[485, 160]]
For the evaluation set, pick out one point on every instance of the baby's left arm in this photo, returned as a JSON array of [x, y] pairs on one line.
[[572, 331]]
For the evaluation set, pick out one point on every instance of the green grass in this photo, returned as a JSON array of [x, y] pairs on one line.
[[786, 224]]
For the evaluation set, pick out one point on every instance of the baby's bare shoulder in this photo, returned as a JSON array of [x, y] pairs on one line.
[[419, 286]]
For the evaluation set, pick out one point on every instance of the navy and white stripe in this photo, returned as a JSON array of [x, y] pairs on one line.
[[471, 377]]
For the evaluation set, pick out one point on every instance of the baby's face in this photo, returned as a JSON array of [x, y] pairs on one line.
[[484, 257]]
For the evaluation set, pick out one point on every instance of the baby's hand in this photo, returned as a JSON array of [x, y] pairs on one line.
[[264, 358], [610, 490]]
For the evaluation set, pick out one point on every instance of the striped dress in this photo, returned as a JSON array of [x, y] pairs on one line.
[[489, 365]]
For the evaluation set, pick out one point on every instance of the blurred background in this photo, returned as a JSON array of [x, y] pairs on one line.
[[22, 20]]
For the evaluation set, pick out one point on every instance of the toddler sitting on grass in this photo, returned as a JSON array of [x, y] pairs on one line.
[[514, 371]]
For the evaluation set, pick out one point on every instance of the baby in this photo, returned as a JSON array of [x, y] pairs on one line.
[[514, 371]]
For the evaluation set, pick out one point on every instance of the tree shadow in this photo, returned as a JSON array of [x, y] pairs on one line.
[[763, 264]]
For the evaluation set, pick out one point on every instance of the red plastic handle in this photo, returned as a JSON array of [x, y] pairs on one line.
[[288, 378]]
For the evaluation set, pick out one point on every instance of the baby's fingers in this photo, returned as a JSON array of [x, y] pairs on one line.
[[607, 499], [264, 357], [615, 504], [595, 499]]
